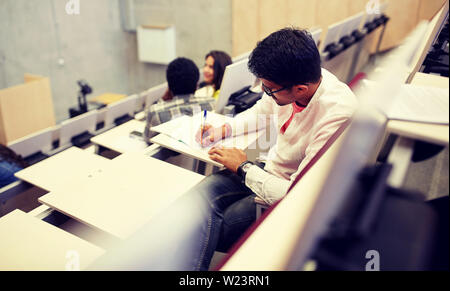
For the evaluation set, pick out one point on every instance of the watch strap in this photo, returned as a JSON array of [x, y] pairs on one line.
[[240, 171]]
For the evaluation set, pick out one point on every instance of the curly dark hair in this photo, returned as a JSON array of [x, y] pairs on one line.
[[8, 155], [221, 61], [182, 76], [287, 57]]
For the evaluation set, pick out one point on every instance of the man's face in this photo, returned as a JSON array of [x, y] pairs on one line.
[[286, 95], [282, 96]]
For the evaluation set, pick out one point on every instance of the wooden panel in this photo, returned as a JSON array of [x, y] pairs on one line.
[[356, 6], [253, 20], [429, 8], [272, 16], [30, 244], [107, 98], [118, 139], [404, 18], [31, 78], [245, 29], [48, 174], [331, 11], [135, 186], [301, 13], [405, 15], [25, 109]]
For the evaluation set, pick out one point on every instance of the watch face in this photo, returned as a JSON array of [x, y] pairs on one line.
[[246, 167]]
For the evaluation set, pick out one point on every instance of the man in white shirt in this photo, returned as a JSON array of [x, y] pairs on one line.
[[309, 103]]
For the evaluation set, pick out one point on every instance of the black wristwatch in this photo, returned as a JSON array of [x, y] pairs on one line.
[[243, 169]]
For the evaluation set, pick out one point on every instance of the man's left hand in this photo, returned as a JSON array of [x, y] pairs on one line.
[[231, 158]]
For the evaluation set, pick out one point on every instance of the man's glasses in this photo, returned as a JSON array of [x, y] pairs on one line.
[[269, 92]]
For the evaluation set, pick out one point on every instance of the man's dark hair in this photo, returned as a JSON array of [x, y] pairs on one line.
[[221, 61], [287, 57], [182, 76]]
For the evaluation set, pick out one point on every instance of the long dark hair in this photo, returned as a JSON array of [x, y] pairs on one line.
[[221, 61], [8, 155]]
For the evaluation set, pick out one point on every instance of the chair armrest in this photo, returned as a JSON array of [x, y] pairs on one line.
[[260, 206], [261, 202]]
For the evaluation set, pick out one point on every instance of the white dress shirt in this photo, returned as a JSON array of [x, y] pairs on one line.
[[332, 104]]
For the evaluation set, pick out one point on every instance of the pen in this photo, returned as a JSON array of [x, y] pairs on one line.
[[203, 126], [183, 142]]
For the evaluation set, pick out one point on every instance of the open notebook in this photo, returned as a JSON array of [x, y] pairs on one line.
[[184, 129], [418, 104]]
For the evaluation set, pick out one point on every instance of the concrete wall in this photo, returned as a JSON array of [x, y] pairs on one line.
[[201, 25], [35, 36]]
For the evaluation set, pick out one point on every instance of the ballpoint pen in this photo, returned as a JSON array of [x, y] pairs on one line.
[[203, 126]]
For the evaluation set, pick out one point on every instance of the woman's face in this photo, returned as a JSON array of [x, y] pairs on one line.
[[208, 70]]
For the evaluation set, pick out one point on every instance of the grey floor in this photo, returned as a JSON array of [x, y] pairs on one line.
[[430, 177]]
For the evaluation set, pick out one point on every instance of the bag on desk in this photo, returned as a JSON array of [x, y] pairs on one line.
[[244, 99]]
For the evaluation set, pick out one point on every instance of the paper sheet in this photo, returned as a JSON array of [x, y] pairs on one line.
[[184, 129], [417, 104], [422, 104]]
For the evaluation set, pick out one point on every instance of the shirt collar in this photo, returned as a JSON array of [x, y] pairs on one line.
[[320, 90]]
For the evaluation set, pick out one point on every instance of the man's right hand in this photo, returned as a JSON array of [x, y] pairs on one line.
[[208, 135]]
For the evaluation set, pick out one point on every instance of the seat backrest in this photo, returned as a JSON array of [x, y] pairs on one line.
[[236, 77], [76, 126], [241, 57], [155, 93], [33, 143], [351, 24], [315, 34], [332, 35], [140, 101], [369, 18], [119, 109]]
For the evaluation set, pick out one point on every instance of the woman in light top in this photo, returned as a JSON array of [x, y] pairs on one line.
[[213, 71]]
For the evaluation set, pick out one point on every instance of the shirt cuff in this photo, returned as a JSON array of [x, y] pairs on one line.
[[268, 187]]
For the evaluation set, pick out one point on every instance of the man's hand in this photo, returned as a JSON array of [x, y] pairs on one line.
[[208, 134], [230, 158]]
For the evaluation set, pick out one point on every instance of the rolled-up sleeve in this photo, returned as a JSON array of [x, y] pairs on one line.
[[268, 187]]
